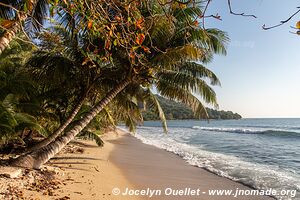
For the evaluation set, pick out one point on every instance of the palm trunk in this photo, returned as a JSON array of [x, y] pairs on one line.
[[60, 129], [38, 158], [11, 32]]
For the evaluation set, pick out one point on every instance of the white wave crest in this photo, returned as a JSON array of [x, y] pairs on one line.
[[232, 130], [256, 175]]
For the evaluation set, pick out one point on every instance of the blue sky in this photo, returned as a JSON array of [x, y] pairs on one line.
[[260, 75]]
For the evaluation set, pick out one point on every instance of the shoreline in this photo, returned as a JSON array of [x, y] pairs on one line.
[[82, 170], [85, 171], [163, 169], [92, 173]]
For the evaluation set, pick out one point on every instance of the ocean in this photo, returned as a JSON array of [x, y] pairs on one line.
[[261, 153]]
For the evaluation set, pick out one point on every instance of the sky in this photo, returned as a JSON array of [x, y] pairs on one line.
[[260, 75]]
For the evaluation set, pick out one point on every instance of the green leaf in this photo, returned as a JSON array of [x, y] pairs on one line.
[[115, 42]]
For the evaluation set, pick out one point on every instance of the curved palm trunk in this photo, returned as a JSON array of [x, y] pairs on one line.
[[38, 158], [60, 129], [11, 32]]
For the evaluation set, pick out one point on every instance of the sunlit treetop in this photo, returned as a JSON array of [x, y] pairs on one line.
[[104, 27], [131, 27]]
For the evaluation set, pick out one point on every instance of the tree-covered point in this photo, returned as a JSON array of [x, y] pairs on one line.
[[177, 110]]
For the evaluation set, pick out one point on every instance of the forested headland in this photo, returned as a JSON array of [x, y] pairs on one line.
[[176, 110]]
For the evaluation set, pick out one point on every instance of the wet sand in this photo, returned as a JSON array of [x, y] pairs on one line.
[[125, 162], [146, 167]]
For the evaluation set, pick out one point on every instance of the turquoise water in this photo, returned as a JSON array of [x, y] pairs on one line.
[[262, 153]]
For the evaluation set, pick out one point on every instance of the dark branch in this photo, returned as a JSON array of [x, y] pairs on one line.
[[282, 22], [218, 17], [203, 14], [240, 14]]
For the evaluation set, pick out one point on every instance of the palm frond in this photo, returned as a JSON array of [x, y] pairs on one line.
[[35, 11], [163, 29], [176, 93], [188, 83], [109, 116], [185, 53], [92, 135], [213, 39], [188, 14], [198, 70], [152, 102], [35, 20]]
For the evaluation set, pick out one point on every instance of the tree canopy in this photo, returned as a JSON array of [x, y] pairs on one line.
[[96, 63]]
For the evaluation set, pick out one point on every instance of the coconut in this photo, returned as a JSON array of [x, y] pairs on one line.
[[298, 25]]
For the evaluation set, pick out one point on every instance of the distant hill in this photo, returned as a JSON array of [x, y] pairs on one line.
[[176, 110]]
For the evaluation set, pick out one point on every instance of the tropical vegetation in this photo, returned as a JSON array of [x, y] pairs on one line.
[[97, 64]]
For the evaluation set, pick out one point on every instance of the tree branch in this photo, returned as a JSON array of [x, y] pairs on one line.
[[240, 14], [282, 22], [9, 6]]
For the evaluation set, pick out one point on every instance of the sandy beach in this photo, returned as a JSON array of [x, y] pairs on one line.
[[91, 175], [86, 171], [125, 162], [81, 171], [146, 167]]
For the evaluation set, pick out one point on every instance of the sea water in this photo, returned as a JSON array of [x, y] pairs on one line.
[[262, 153]]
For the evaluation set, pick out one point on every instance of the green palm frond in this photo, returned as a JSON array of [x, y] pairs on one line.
[[49, 66], [128, 110], [131, 124], [153, 103], [187, 14], [164, 27], [198, 70], [13, 121], [185, 53], [188, 83], [213, 39], [28, 121], [13, 78], [7, 116], [109, 116], [68, 21], [9, 102], [176, 93], [5, 128], [92, 135]]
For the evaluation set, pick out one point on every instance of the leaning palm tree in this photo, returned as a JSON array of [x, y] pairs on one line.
[[16, 15], [60, 59], [47, 67], [124, 108], [167, 59]]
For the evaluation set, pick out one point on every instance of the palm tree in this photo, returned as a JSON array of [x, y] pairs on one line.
[[16, 91], [169, 59], [13, 122], [124, 108], [65, 63], [60, 59], [16, 14]]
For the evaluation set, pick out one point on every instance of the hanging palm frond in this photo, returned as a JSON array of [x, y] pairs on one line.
[[91, 135], [153, 103]]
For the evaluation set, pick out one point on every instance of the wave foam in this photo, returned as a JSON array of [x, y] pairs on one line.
[[256, 175], [276, 132]]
